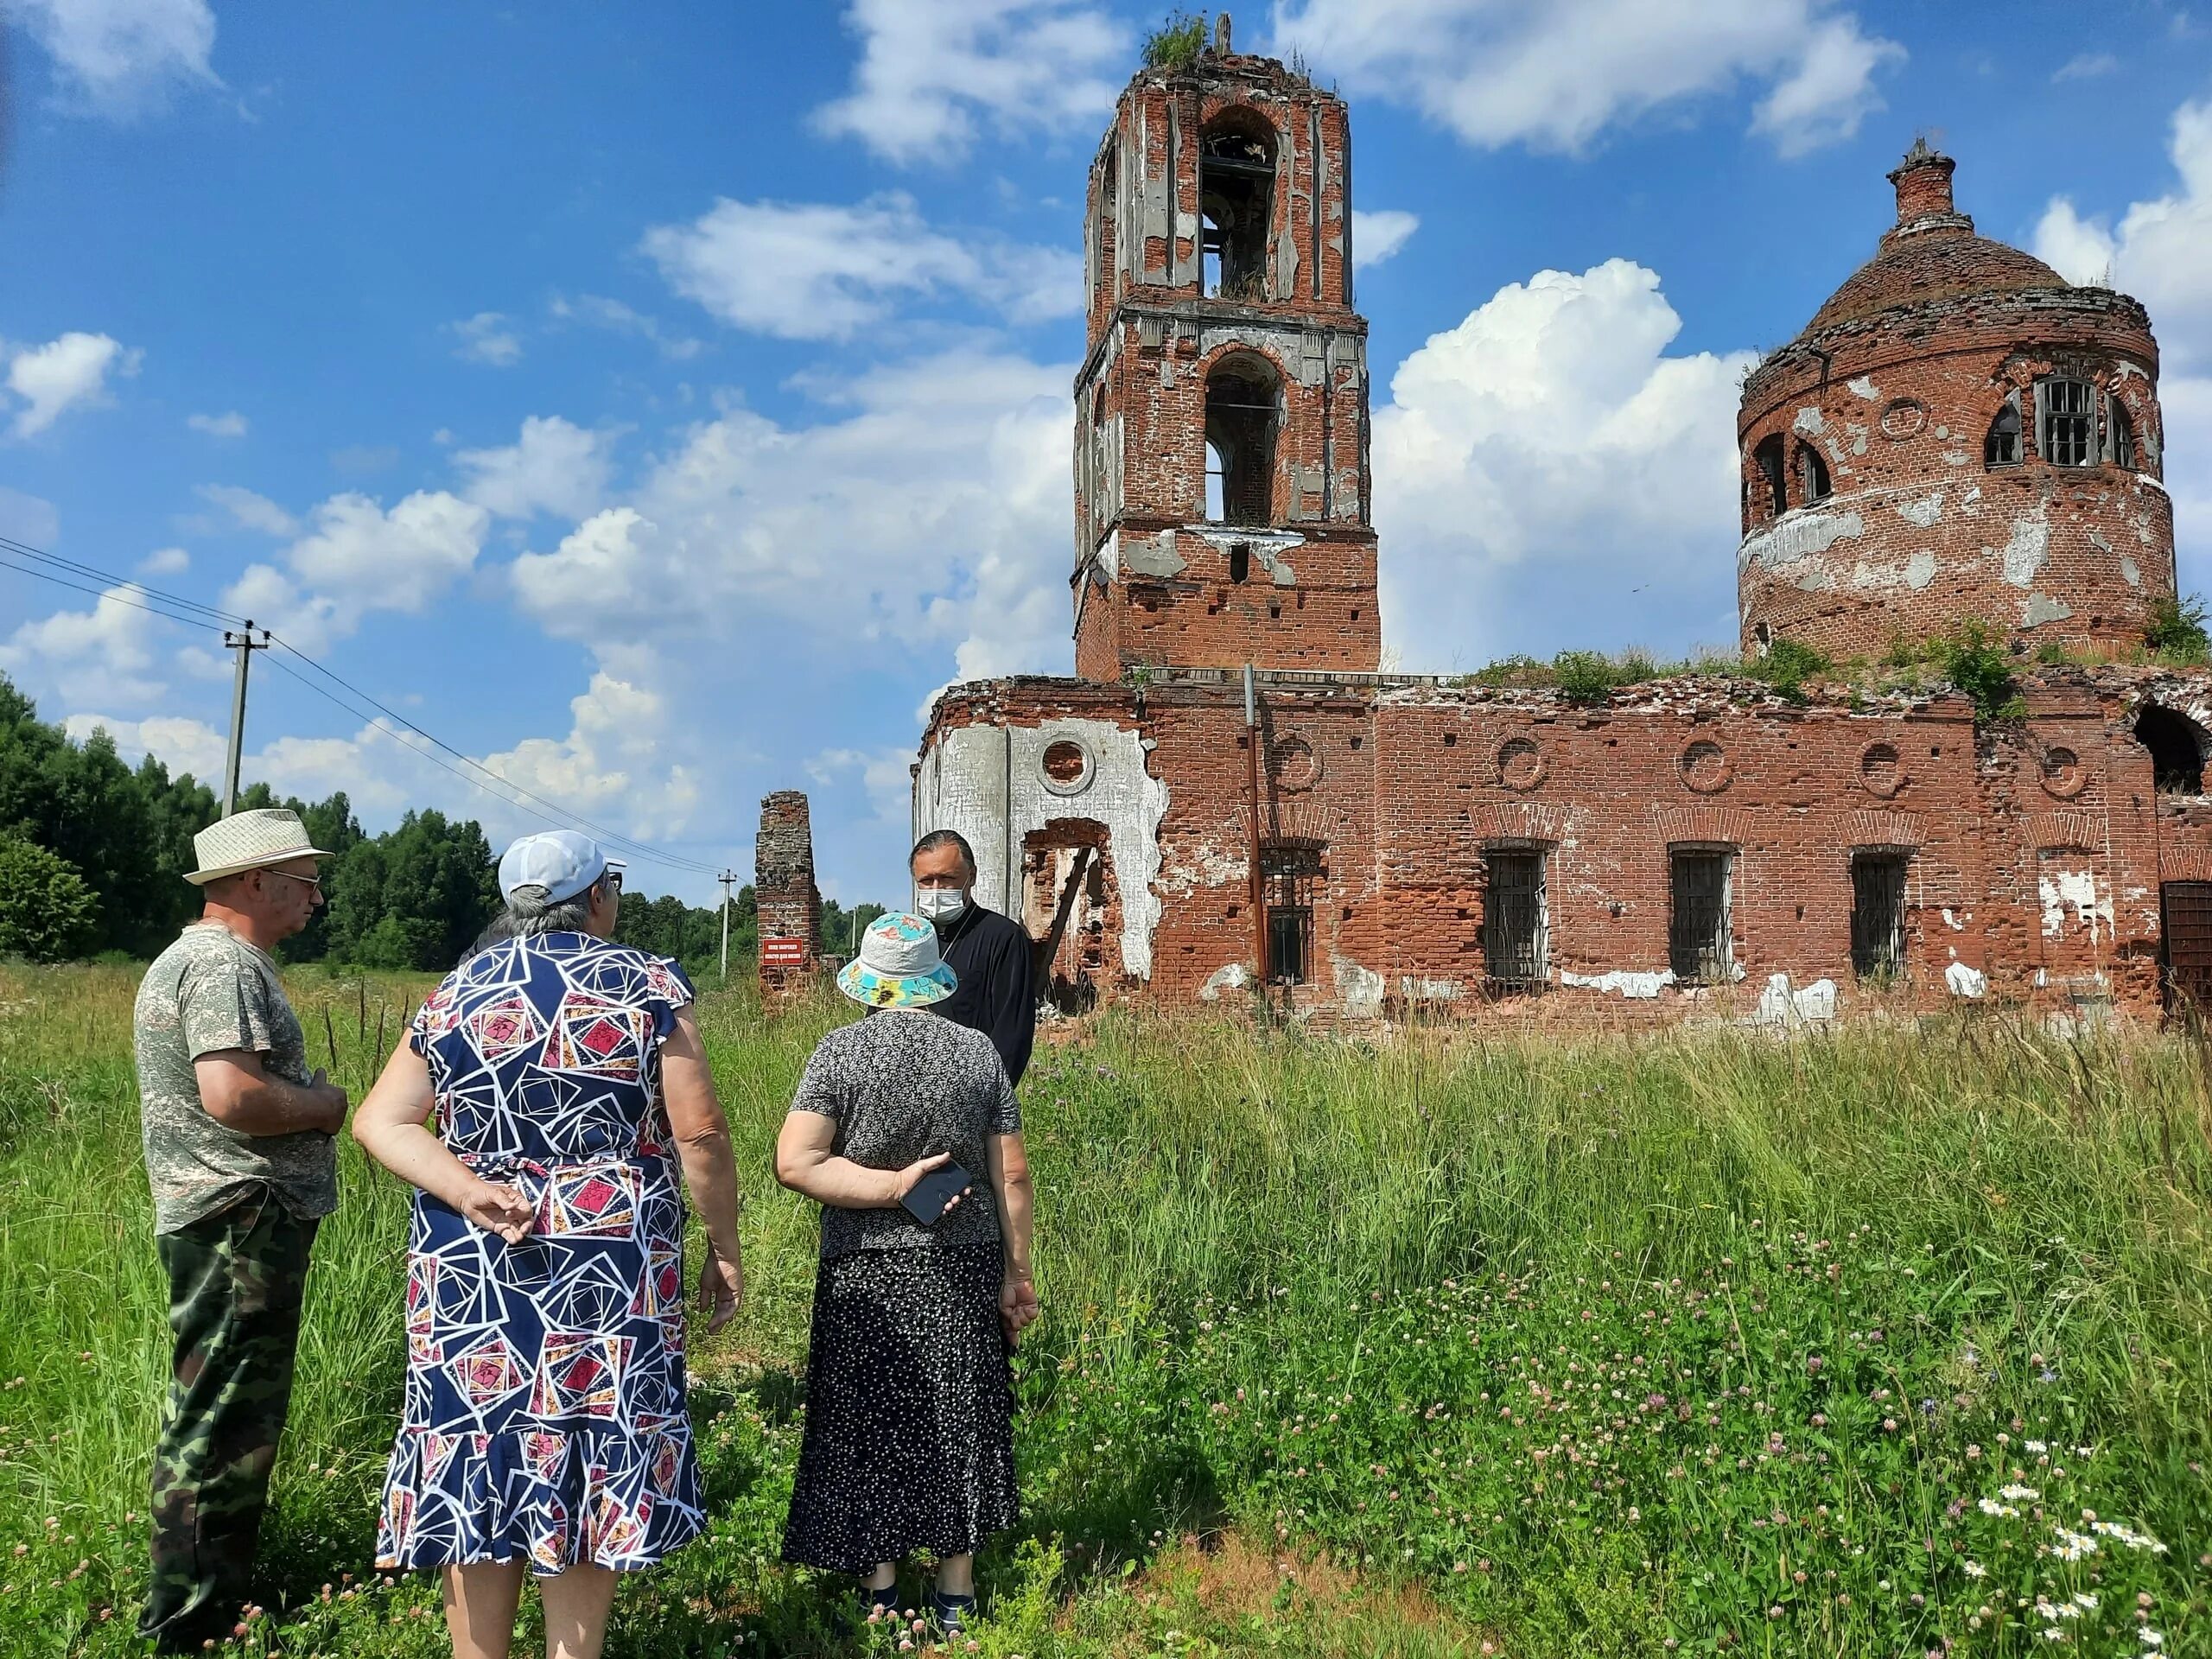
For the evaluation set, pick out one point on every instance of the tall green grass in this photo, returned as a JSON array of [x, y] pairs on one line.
[[1393, 1316]]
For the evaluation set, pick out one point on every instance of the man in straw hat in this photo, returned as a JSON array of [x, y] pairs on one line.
[[243, 1165]]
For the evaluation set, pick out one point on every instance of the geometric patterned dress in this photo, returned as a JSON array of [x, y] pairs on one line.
[[545, 1408]]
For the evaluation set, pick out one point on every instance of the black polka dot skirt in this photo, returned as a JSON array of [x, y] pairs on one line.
[[909, 1441]]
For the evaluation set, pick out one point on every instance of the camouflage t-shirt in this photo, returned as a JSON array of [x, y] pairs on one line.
[[212, 990]]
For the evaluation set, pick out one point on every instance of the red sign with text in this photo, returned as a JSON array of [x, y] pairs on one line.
[[783, 953]]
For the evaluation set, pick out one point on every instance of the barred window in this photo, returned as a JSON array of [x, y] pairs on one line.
[[1701, 946], [1515, 924], [2069, 437], [2119, 434], [1878, 915]]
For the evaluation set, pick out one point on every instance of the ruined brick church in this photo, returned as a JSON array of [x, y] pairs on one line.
[[1229, 796]]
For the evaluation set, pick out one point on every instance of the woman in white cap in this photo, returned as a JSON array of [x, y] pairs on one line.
[[909, 1443], [545, 1420]]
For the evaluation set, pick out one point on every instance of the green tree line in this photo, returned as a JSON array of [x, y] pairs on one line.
[[94, 854]]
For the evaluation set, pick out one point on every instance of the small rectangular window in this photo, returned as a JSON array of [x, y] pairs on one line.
[[1700, 945], [1515, 926], [1878, 915], [2069, 437]]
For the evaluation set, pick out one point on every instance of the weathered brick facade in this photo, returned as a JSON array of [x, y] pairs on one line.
[[1881, 502], [1228, 791]]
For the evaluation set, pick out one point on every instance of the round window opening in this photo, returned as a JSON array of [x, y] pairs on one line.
[[1520, 763], [1294, 765], [1903, 418], [2062, 771], [1066, 766], [1880, 769], [1706, 768]]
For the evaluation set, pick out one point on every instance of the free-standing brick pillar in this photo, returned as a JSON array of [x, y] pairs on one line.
[[1221, 440], [789, 903]]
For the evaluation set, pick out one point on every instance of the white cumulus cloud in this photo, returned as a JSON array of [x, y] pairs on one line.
[[933, 72], [553, 467], [358, 557], [249, 510], [488, 337], [106, 652], [1547, 475], [229, 425], [1557, 76], [165, 561], [816, 270], [119, 57], [1376, 236], [66, 372]]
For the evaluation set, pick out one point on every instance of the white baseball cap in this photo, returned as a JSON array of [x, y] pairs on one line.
[[563, 862]]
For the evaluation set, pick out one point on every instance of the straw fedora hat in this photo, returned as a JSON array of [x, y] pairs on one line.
[[898, 966], [250, 840]]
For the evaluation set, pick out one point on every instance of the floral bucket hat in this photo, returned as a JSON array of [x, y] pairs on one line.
[[898, 966]]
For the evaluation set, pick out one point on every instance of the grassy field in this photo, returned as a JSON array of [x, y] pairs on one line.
[[1887, 1343]]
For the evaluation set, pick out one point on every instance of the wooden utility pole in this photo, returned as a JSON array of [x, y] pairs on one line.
[[726, 878], [246, 644]]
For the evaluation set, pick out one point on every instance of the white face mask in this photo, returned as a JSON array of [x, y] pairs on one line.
[[940, 904]]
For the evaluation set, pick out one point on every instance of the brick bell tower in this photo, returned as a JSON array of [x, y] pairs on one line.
[[1221, 414]]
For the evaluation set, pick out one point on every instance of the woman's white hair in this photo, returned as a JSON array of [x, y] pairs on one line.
[[533, 910]]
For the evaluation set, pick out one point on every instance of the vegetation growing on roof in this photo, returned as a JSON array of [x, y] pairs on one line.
[[1176, 43]]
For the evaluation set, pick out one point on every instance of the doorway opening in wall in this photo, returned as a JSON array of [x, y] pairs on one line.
[[1878, 916], [1699, 935], [2185, 947], [1237, 178], [1515, 928], [2177, 746], [1287, 875], [1071, 908]]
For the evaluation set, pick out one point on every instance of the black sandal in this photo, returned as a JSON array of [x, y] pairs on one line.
[[952, 1612], [885, 1600]]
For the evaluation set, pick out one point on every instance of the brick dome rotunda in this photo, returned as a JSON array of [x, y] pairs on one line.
[[1957, 432]]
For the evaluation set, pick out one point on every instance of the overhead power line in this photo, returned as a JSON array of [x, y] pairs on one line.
[[48, 567]]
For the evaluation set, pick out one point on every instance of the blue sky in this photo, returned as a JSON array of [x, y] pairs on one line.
[[659, 402]]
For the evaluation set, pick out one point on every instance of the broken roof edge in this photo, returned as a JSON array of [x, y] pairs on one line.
[[2047, 689]]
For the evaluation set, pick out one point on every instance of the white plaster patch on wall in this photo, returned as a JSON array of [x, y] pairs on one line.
[[1951, 920], [1922, 513], [988, 782], [1798, 535], [2130, 571], [1970, 503], [1210, 867], [1627, 982], [1809, 422], [2028, 551], [1416, 989], [1359, 990], [1962, 980], [1955, 457], [2062, 890], [2039, 609], [1779, 1005], [1230, 976], [1151, 555], [1920, 570], [1915, 573], [1858, 439], [1864, 387]]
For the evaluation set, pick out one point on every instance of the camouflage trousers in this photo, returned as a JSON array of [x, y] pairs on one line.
[[236, 1284]]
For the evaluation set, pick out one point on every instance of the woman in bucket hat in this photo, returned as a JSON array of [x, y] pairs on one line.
[[909, 1443], [544, 1423]]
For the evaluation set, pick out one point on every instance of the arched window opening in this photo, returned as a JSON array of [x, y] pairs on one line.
[[1767, 456], [1812, 475], [2002, 447], [2177, 746], [2066, 422], [1241, 400], [1237, 177], [2120, 435]]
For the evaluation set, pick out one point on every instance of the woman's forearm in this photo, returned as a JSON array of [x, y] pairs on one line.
[[710, 1173], [839, 1182], [419, 1158], [1014, 1223]]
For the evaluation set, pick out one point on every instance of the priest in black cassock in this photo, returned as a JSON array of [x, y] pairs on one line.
[[991, 953]]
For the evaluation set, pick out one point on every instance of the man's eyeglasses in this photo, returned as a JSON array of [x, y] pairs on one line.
[[314, 881], [613, 879]]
